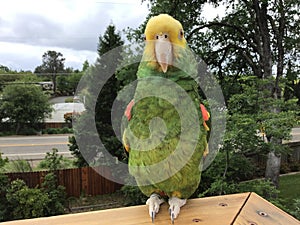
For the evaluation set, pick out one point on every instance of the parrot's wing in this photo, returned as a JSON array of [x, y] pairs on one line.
[[128, 115]]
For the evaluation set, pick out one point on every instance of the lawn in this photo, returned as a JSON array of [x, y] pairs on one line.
[[289, 186]]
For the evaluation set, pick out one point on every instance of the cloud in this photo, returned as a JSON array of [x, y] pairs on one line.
[[30, 28], [77, 29]]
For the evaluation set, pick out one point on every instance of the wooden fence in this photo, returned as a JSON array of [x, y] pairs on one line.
[[87, 180]]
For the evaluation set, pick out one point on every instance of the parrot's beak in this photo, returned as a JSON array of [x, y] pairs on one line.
[[163, 51]]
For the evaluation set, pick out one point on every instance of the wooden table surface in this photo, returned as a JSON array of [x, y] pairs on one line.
[[237, 209]]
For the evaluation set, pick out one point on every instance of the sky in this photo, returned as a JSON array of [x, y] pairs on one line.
[[30, 28]]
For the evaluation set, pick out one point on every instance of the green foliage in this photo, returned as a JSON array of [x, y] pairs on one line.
[[85, 65], [18, 201], [16, 77], [24, 105], [4, 207], [101, 112], [253, 109], [53, 161], [228, 169], [53, 63], [56, 194], [15, 166], [67, 84], [3, 161], [74, 149], [261, 187], [64, 130], [133, 195], [296, 211], [69, 100], [26, 202]]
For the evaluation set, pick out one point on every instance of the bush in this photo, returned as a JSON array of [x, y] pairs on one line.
[[133, 194], [26, 202], [4, 206], [19, 165], [296, 205], [56, 194], [22, 202], [69, 100], [51, 131], [261, 187], [64, 130]]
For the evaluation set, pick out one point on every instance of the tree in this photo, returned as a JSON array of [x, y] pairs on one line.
[[254, 38], [101, 113], [4, 69], [85, 65], [24, 105], [110, 40], [67, 85], [53, 63]]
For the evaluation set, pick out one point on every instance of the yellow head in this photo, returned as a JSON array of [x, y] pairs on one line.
[[163, 35]]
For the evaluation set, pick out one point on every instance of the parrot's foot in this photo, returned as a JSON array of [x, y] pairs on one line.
[[154, 203], [174, 209]]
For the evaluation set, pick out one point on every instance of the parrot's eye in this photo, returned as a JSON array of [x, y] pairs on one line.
[[156, 36], [166, 36], [180, 35]]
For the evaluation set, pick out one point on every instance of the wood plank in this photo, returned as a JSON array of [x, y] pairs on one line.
[[258, 211], [212, 210]]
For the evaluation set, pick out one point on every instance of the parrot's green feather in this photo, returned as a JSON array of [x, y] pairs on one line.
[[187, 179]]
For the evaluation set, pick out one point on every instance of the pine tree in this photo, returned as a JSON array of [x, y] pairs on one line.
[[110, 40], [94, 79]]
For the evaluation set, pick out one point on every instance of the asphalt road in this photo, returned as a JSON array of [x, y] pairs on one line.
[[33, 147], [36, 147]]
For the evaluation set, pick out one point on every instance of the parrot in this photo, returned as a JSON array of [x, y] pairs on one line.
[[158, 155]]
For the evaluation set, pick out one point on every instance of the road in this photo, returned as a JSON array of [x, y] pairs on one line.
[[33, 147]]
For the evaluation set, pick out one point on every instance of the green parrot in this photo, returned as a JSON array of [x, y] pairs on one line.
[[166, 131]]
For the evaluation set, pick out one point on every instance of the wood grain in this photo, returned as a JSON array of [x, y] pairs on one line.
[[258, 211], [237, 209]]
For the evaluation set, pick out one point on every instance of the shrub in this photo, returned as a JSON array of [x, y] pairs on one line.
[[19, 165], [4, 206], [51, 131], [69, 100], [296, 205], [26, 202], [133, 194], [56, 194]]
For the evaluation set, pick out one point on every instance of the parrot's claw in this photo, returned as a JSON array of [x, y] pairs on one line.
[[174, 209], [172, 218], [154, 203]]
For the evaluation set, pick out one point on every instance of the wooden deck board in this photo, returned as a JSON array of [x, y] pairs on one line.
[[258, 211], [237, 209]]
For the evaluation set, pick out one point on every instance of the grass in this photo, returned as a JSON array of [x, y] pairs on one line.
[[289, 186]]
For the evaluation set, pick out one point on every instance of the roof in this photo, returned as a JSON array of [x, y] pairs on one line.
[[60, 109]]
